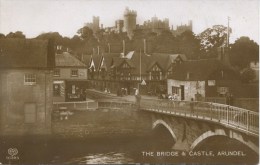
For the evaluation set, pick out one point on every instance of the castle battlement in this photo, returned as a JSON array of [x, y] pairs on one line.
[[130, 12]]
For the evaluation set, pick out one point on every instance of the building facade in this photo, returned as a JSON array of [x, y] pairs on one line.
[[69, 78], [26, 86], [156, 25], [116, 71], [199, 79]]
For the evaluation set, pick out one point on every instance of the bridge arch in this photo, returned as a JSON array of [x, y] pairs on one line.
[[221, 132], [161, 122]]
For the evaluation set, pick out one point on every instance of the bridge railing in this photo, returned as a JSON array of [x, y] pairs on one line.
[[115, 104], [238, 118], [81, 105]]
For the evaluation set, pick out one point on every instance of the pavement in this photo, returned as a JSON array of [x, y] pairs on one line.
[[130, 98]]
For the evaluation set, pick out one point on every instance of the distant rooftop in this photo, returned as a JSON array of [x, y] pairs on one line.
[[67, 60], [26, 53]]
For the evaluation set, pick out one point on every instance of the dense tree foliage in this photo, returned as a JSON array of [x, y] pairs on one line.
[[204, 45], [2, 35], [189, 45], [212, 38], [17, 34], [244, 51], [248, 75]]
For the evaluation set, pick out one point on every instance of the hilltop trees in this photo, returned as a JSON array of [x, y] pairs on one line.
[[17, 34], [189, 45], [2, 35], [212, 38], [244, 51], [165, 42]]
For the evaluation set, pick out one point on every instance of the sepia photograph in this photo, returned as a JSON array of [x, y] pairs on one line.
[[129, 82]]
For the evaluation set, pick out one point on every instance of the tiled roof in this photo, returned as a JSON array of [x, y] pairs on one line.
[[109, 57], [145, 62], [201, 70], [26, 53], [86, 60], [67, 60]]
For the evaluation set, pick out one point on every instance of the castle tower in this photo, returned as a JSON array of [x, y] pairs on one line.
[[190, 25], [129, 21], [119, 25], [95, 26]]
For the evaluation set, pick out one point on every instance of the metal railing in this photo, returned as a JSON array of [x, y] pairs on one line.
[[115, 104], [82, 105], [238, 118]]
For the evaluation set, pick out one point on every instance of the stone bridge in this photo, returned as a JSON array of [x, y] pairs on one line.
[[189, 123]]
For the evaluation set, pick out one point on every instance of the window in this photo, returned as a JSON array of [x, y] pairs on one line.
[[29, 79], [74, 73], [175, 90], [222, 90], [56, 89], [56, 73], [125, 65], [30, 113]]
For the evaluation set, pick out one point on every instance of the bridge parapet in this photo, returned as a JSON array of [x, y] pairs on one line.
[[115, 104], [237, 118], [81, 105]]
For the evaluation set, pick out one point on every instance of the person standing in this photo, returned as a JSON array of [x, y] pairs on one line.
[[192, 106]]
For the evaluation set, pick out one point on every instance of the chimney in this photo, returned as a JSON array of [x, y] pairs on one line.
[[98, 50], [93, 51], [144, 46], [108, 47], [82, 57], [124, 47], [223, 55]]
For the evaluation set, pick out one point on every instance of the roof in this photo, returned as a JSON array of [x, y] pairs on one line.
[[165, 60], [67, 60], [86, 60], [109, 59], [26, 53], [201, 70], [145, 62]]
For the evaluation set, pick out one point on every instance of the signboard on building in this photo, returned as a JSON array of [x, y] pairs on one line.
[[211, 82]]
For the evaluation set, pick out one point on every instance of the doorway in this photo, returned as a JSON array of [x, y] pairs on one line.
[[182, 92]]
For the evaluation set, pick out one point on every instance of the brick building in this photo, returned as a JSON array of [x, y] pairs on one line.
[[198, 79], [25, 86], [69, 78]]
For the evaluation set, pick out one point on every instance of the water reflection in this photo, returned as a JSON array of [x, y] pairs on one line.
[[103, 158], [118, 150]]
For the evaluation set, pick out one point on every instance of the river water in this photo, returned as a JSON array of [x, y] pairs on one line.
[[121, 150]]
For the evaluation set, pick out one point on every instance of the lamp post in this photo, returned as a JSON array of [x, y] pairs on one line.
[[140, 74]]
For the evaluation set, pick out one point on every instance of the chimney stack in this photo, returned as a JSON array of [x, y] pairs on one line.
[[144, 46], [108, 47], [124, 47], [223, 55]]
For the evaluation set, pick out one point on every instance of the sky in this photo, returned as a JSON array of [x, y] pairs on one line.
[[34, 17]]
